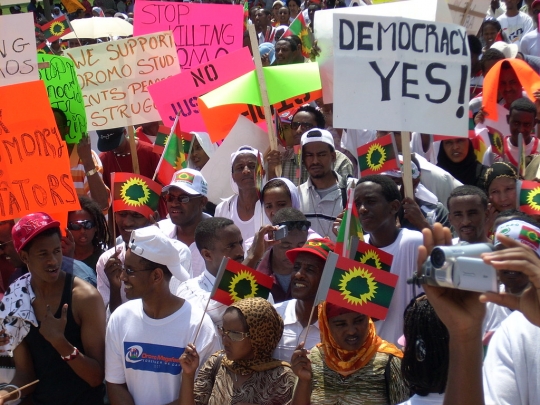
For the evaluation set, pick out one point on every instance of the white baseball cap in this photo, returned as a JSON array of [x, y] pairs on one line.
[[189, 180], [508, 50], [317, 135], [152, 244]]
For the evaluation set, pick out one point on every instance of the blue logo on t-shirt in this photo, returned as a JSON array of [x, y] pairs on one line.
[[154, 358]]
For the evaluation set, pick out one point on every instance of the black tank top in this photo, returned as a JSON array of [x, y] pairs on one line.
[[58, 383]]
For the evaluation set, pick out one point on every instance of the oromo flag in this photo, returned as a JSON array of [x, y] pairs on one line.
[[133, 192], [377, 156]]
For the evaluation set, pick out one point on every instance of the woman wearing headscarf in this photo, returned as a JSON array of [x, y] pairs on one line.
[[500, 186], [352, 364], [457, 157], [243, 206], [201, 151], [244, 372]]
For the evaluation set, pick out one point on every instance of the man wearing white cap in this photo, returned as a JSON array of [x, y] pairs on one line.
[[515, 23], [186, 198], [324, 194], [425, 209], [147, 335]]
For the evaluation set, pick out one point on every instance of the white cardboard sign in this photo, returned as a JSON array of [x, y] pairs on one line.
[[400, 74], [18, 56], [114, 78]]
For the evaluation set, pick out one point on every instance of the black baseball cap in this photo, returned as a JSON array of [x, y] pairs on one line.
[[109, 139]]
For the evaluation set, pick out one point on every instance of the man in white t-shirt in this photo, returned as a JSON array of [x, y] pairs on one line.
[[515, 23], [186, 198], [377, 200], [309, 261], [530, 44], [147, 335]]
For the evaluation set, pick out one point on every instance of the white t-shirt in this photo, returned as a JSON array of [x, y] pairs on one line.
[[490, 158], [530, 43], [292, 330], [405, 252], [516, 27], [228, 208], [512, 363], [144, 353], [430, 399]]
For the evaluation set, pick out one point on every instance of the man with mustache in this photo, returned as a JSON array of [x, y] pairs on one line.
[[323, 196]]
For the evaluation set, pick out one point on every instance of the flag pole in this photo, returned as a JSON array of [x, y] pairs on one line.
[[112, 216], [133, 150], [173, 128], [219, 276], [406, 170], [264, 94], [307, 327]]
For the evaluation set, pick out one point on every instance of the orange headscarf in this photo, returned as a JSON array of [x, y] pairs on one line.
[[346, 362]]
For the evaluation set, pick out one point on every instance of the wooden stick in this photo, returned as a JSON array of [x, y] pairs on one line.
[[43, 65], [19, 389], [406, 170], [474, 13], [202, 319], [133, 149], [264, 94], [113, 222], [308, 325], [466, 13]]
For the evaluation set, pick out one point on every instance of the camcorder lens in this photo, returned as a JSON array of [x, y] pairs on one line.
[[438, 258]]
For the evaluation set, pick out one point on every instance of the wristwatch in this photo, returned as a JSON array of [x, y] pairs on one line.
[[91, 172]]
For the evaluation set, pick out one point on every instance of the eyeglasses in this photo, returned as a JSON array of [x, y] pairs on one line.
[[182, 199], [131, 272], [306, 126], [232, 334], [78, 225], [3, 244], [300, 225]]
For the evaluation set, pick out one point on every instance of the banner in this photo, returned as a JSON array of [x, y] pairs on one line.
[[18, 60], [202, 32], [34, 162], [414, 75], [65, 93], [114, 78], [190, 84]]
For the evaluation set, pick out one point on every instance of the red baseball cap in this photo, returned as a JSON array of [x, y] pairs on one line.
[[29, 227], [319, 247]]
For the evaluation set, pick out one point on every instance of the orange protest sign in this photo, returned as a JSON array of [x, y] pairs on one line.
[[220, 120], [528, 78], [34, 163]]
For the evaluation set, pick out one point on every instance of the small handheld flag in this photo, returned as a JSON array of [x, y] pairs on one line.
[[235, 281], [56, 28], [350, 227], [133, 192], [299, 28], [522, 162], [356, 286], [496, 139], [378, 156], [528, 196], [368, 254]]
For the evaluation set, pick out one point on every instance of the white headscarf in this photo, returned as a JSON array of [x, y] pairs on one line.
[[295, 198], [241, 151], [204, 140]]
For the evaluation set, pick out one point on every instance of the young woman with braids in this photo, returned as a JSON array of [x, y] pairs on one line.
[[90, 232], [425, 359]]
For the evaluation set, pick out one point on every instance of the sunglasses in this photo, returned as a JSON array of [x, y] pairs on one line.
[[300, 225], [131, 272], [305, 125], [3, 244], [232, 334], [182, 199], [78, 225]]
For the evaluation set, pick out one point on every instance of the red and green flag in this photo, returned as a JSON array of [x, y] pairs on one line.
[[56, 28], [235, 281], [133, 192], [529, 236], [44, 49], [175, 155], [259, 174], [370, 255], [479, 147], [246, 15], [298, 157], [378, 156], [529, 197], [356, 286], [161, 139], [496, 139], [350, 227], [300, 28]]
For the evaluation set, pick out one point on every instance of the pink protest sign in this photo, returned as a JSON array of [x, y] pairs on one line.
[[189, 85], [202, 32]]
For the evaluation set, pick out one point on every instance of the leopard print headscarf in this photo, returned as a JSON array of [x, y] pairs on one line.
[[265, 328]]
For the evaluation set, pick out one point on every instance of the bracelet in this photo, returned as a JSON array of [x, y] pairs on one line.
[[91, 172], [15, 389], [73, 355]]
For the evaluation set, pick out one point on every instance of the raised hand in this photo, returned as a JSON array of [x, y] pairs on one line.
[[189, 360], [300, 363]]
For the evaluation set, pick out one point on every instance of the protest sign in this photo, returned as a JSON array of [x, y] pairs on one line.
[[428, 10], [34, 163], [114, 78], [65, 93], [18, 59], [469, 13], [190, 84], [202, 32], [219, 181], [400, 74]]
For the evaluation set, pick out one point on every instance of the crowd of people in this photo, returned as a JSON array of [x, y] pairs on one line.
[[118, 308]]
